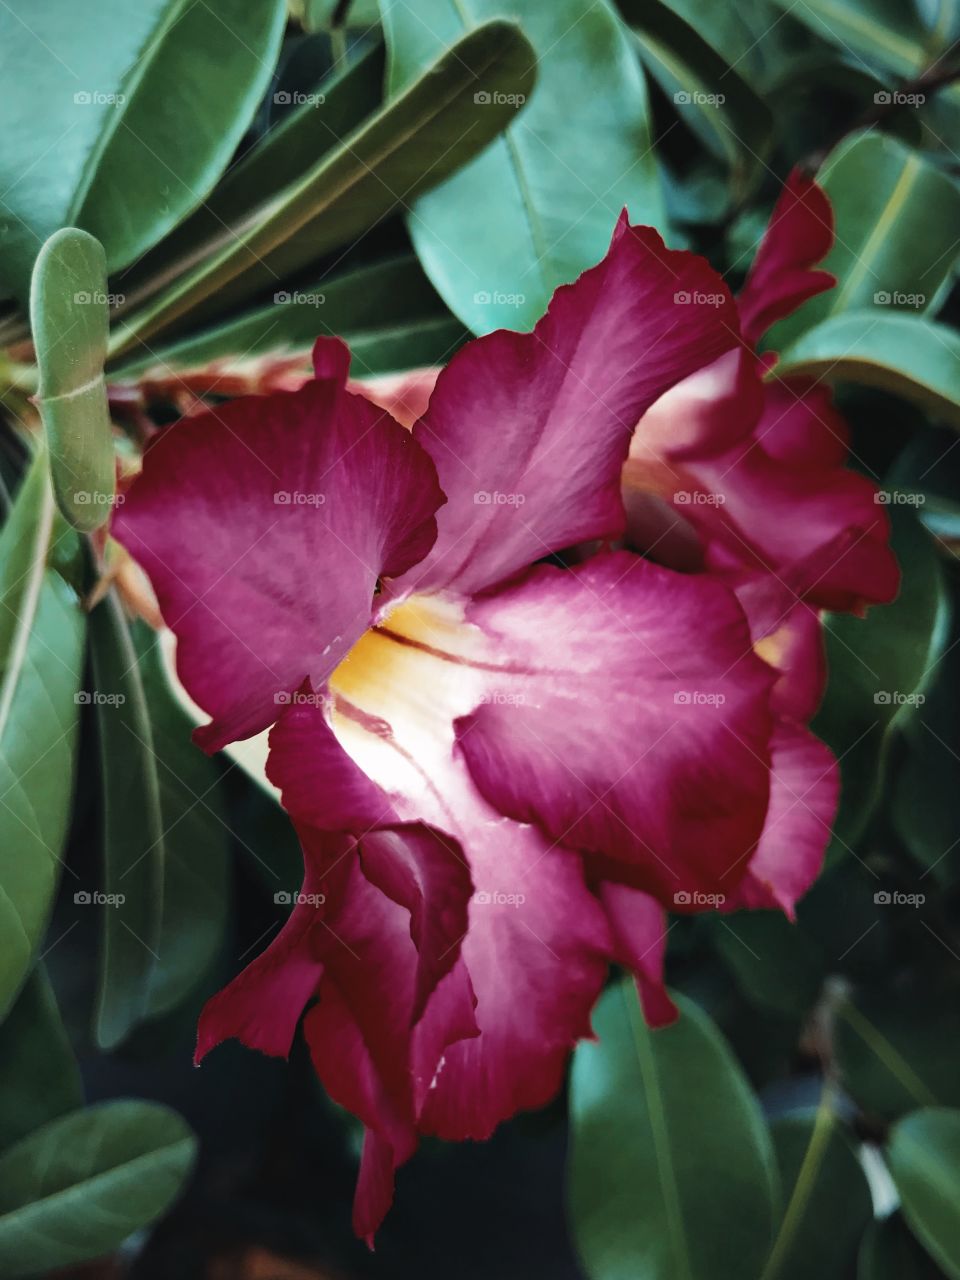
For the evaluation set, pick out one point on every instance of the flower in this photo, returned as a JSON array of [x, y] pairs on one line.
[[502, 770]]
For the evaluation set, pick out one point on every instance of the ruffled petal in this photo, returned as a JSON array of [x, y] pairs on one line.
[[638, 925], [632, 722], [264, 526], [805, 787], [529, 430], [536, 947], [799, 235]]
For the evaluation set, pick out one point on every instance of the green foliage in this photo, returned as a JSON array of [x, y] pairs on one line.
[[176, 201], [671, 1168]]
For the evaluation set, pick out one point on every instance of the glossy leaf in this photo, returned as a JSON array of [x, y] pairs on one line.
[[196, 839], [877, 666], [874, 31], [120, 118], [41, 661], [896, 217], [412, 143], [915, 358], [710, 96], [68, 315], [540, 205], [671, 1169], [133, 828], [827, 1200], [39, 1076], [388, 313], [306, 132], [79, 1186], [924, 1158]]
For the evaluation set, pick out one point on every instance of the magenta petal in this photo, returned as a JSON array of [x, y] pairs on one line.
[[529, 430], [799, 235], [262, 1005], [805, 787], [635, 721], [415, 865], [639, 929], [264, 525]]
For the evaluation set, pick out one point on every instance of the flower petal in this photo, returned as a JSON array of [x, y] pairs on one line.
[[529, 430], [805, 786], [639, 929], [634, 722], [799, 235], [264, 526]]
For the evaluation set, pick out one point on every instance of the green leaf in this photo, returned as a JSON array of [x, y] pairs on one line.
[[411, 144], [133, 830], [898, 1053], [39, 1076], [541, 203], [306, 133], [877, 666], [671, 1169], [41, 660], [889, 1252], [913, 357], [896, 218], [196, 840], [711, 97], [924, 1159], [121, 118], [887, 32], [828, 1202], [79, 1186], [68, 314], [388, 312]]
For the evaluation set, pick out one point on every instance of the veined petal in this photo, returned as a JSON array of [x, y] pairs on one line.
[[529, 431], [804, 789], [632, 723], [798, 236], [264, 526], [536, 947], [638, 924]]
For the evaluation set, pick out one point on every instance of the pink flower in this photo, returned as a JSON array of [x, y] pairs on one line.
[[502, 771]]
